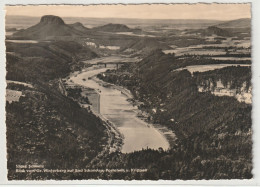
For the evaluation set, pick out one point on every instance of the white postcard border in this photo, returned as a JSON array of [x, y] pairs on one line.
[[256, 95]]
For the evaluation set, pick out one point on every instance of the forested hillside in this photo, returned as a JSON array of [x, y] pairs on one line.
[[45, 126], [208, 127]]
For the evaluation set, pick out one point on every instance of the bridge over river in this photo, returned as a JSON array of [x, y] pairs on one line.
[[107, 64], [110, 62]]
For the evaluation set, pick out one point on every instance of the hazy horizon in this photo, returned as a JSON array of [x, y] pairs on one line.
[[123, 18]]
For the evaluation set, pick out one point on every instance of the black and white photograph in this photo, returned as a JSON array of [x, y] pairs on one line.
[[129, 92]]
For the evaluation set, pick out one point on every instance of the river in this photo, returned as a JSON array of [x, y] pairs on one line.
[[114, 106]]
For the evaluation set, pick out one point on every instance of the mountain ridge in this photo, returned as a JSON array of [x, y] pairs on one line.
[[111, 27], [237, 23], [49, 26], [79, 26]]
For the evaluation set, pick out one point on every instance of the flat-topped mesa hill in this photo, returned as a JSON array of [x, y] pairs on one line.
[[114, 28], [49, 19], [49, 27]]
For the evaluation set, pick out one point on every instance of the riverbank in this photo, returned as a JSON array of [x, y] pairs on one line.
[[115, 138], [164, 131], [116, 106]]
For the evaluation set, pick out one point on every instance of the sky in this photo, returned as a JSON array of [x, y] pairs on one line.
[[145, 11]]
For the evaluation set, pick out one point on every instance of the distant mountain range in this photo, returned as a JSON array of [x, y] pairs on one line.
[[27, 21], [53, 26], [238, 23]]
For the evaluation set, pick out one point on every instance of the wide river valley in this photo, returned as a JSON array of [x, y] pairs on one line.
[[116, 108]]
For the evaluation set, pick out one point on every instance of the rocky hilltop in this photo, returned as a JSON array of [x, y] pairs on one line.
[[49, 27], [50, 19], [211, 30], [79, 26], [113, 28], [217, 31]]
